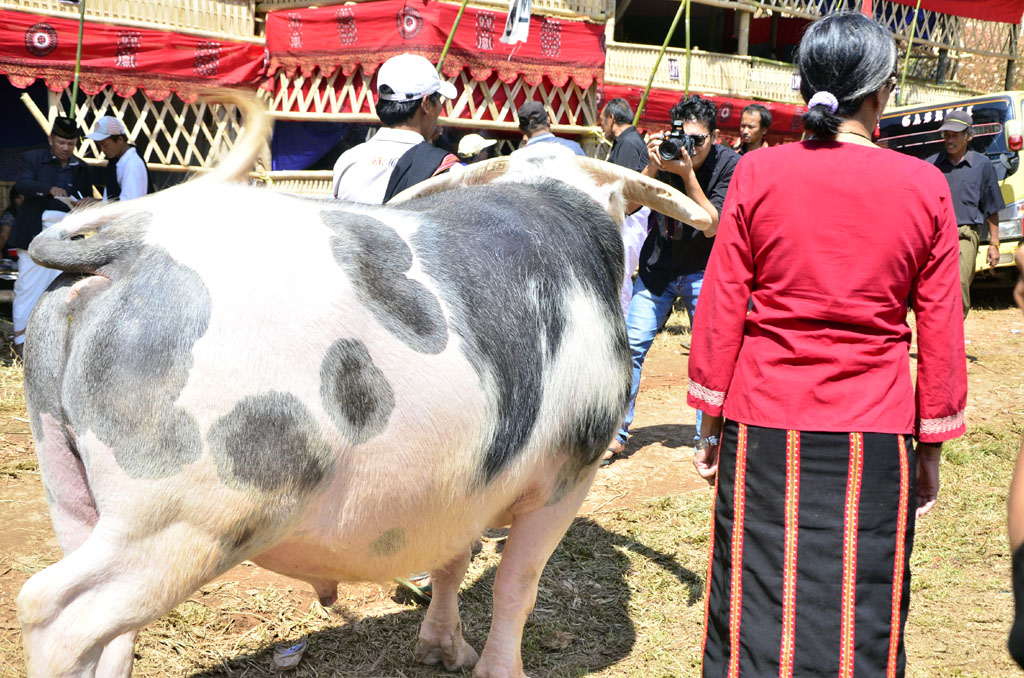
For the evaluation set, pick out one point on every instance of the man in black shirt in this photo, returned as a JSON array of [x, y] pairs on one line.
[[628, 150], [51, 179], [976, 196], [674, 255]]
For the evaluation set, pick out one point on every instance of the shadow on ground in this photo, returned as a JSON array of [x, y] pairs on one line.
[[672, 436], [581, 622]]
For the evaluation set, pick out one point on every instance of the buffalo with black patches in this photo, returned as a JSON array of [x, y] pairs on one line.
[[420, 372]]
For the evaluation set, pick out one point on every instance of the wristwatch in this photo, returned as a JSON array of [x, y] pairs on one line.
[[705, 443]]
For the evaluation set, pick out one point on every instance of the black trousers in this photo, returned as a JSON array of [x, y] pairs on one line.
[[809, 571]]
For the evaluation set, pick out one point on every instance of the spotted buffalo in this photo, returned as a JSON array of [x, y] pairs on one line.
[[416, 373]]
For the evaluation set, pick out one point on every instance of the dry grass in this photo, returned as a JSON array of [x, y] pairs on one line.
[[15, 435]]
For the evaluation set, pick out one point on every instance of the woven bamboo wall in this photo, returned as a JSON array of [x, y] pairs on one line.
[[171, 135], [479, 105], [230, 18], [731, 75]]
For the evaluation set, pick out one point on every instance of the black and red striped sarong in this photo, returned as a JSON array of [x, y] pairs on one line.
[[809, 571]]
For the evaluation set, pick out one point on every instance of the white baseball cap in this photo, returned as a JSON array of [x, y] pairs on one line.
[[107, 126], [471, 144], [410, 76]]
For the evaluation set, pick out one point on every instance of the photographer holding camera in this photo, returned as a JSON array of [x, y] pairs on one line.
[[674, 255]]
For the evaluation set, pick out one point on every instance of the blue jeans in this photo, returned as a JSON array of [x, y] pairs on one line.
[[647, 313]]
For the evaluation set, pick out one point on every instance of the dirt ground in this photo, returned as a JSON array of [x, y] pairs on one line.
[[657, 466]]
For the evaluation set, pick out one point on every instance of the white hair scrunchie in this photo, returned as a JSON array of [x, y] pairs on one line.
[[826, 99]]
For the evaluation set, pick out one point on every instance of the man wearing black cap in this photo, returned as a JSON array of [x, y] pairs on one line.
[[51, 179], [534, 124], [976, 196]]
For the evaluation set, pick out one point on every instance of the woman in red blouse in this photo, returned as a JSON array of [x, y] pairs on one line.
[[818, 482]]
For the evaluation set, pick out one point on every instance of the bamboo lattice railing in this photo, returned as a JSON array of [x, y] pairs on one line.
[[171, 135], [227, 18], [483, 105], [725, 74], [730, 75]]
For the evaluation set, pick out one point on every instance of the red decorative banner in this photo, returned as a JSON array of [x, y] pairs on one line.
[[40, 47], [1004, 11], [786, 122], [369, 33]]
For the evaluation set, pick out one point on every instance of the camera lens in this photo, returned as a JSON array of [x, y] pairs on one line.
[[670, 148]]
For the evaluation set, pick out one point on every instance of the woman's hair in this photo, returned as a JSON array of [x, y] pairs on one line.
[[849, 56]]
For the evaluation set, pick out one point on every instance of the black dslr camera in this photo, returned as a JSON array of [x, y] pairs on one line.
[[671, 147]]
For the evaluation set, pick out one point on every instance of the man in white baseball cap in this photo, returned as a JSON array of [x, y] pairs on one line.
[[409, 76], [473, 148], [127, 176], [409, 93]]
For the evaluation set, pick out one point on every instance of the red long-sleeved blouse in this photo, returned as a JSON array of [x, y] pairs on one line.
[[830, 240]]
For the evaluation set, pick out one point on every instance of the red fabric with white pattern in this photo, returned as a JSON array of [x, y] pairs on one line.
[[368, 34], [34, 47]]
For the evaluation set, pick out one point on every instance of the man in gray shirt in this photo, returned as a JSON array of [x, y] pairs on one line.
[[536, 127], [976, 196]]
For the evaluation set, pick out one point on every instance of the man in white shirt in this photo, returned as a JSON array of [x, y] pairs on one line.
[[409, 103], [127, 176]]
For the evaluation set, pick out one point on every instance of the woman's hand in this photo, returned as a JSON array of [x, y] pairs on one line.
[[927, 476], [705, 459]]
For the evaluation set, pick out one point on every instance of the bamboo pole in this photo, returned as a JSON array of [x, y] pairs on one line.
[[687, 85], [78, 57], [451, 35], [906, 61], [36, 113], [657, 62]]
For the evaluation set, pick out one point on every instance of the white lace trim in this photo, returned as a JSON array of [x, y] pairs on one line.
[[706, 394], [942, 424]]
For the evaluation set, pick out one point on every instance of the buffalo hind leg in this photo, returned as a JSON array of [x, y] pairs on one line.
[[80, 615], [441, 638], [532, 538]]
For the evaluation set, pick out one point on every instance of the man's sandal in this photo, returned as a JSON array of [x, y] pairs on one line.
[[615, 451]]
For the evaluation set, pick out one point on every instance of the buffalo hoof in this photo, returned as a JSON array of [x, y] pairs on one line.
[[482, 671], [451, 650]]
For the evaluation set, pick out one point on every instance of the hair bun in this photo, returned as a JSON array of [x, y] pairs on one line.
[[826, 99]]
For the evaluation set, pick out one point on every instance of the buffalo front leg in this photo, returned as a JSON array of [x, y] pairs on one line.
[[441, 638], [532, 539]]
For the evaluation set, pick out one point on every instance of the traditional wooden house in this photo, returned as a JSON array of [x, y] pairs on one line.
[[314, 62]]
